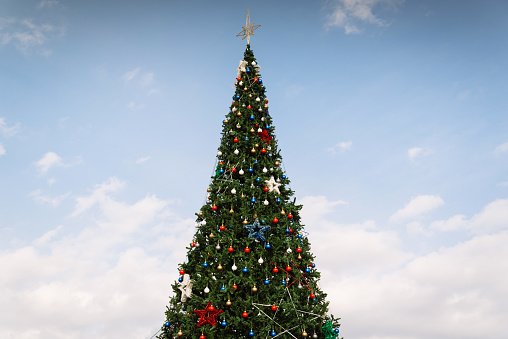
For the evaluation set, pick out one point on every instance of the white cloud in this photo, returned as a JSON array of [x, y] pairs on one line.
[[52, 160], [108, 279], [26, 35], [8, 131], [457, 222], [47, 200], [127, 77], [493, 217], [501, 148], [417, 206], [142, 160], [147, 79], [98, 195], [343, 146], [2, 150], [47, 3], [48, 161], [352, 14], [418, 152], [134, 106]]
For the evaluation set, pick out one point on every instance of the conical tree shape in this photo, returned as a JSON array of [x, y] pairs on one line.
[[249, 271]]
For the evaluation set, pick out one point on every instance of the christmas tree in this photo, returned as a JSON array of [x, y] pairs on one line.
[[249, 270]]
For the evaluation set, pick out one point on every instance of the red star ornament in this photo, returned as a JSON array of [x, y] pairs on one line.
[[265, 136], [207, 316]]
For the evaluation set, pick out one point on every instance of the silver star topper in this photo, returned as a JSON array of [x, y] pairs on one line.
[[248, 29]]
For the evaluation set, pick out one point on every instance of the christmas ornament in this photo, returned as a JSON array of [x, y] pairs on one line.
[[273, 333], [235, 287], [228, 303], [205, 264], [257, 231], [223, 288], [245, 270], [251, 333], [241, 172], [207, 316], [236, 151], [254, 289], [230, 249], [214, 207], [266, 202], [268, 246], [180, 333], [224, 323], [263, 151], [272, 185], [245, 314], [298, 250], [235, 140], [219, 267], [202, 336], [304, 334], [290, 216], [274, 308], [222, 227], [275, 220], [260, 261], [312, 296], [166, 324], [207, 290], [282, 212], [219, 153], [182, 272], [246, 250], [267, 282], [275, 269], [234, 267]]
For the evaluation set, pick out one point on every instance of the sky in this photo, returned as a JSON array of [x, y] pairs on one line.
[[391, 117]]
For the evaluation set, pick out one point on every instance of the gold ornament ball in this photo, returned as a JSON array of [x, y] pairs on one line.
[[254, 289], [228, 303], [304, 334], [277, 163], [236, 83], [245, 222], [250, 95], [252, 130], [226, 121], [299, 257], [211, 235], [239, 114], [219, 267], [200, 213], [208, 189], [253, 150], [231, 211], [257, 145], [266, 106], [245, 89], [282, 212], [180, 333]]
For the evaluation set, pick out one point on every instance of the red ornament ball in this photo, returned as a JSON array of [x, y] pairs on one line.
[[288, 268], [214, 207], [275, 220], [312, 295], [235, 287], [266, 101], [249, 107], [182, 272], [233, 170], [266, 189], [256, 79], [274, 308], [245, 314], [275, 270], [235, 139], [247, 250], [202, 336], [298, 250], [290, 230], [290, 216], [211, 308], [238, 78], [230, 249], [222, 227], [193, 244], [263, 151]]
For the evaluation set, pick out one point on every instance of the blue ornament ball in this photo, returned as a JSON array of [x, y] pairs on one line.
[[287, 231], [267, 282], [273, 333], [251, 169], [221, 171], [255, 162], [268, 246], [251, 333], [205, 264], [313, 265], [336, 330], [307, 270], [245, 270], [246, 139], [263, 221], [223, 288], [283, 282], [167, 324], [253, 200], [299, 235], [267, 127], [260, 81], [251, 117], [284, 176], [278, 200], [238, 96], [258, 179], [180, 279], [247, 70], [224, 323]]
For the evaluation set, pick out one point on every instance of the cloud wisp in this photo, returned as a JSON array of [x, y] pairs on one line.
[[341, 146], [416, 207], [52, 160], [26, 35], [416, 153]]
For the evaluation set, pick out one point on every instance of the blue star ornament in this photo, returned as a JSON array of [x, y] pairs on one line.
[[259, 235]]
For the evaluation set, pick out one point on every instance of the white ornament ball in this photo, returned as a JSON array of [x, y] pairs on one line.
[[233, 191], [262, 118], [300, 286], [269, 148], [278, 180], [240, 83], [217, 247], [238, 126], [243, 105], [260, 130], [314, 336], [289, 250], [207, 290], [265, 170], [261, 260], [234, 268], [241, 172], [197, 244], [203, 222], [266, 202], [219, 153], [260, 110], [196, 225], [208, 201], [253, 63], [236, 151], [258, 99], [234, 109]]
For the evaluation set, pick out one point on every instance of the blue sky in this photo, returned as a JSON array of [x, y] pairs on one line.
[[393, 123]]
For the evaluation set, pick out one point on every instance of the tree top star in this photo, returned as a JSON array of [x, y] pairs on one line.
[[248, 29]]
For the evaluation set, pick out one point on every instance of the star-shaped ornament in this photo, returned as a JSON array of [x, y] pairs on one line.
[[265, 136], [248, 29], [259, 235], [207, 316], [186, 288], [273, 186], [241, 68]]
